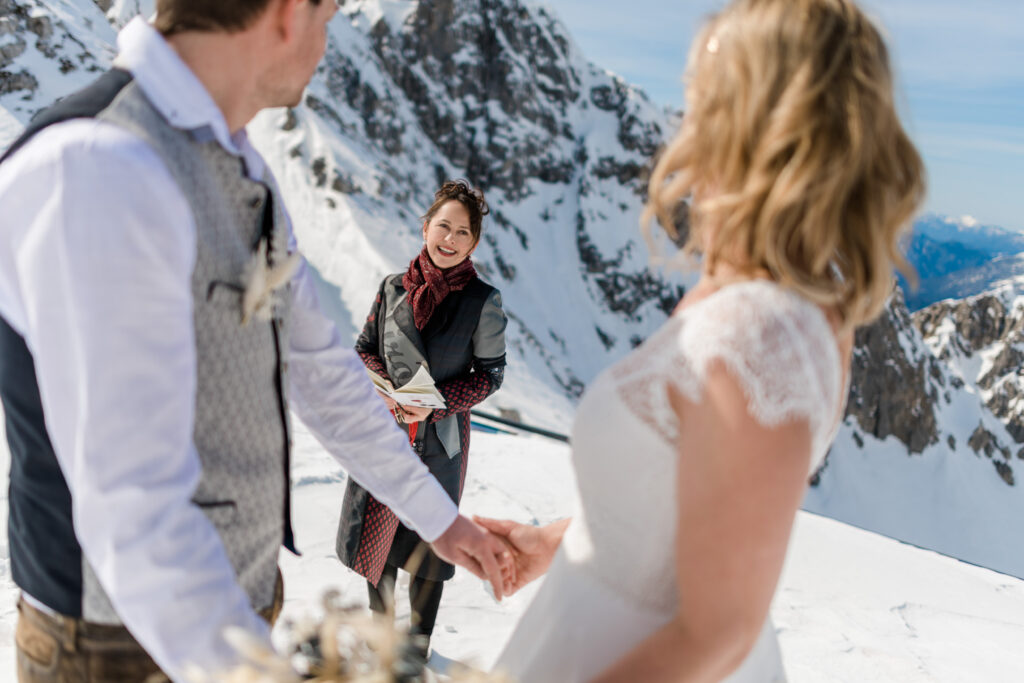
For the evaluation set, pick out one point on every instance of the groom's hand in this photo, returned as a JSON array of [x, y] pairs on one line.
[[533, 548], [469, 545]]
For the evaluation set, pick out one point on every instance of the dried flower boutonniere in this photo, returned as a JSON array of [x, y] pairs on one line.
[[262, 282]]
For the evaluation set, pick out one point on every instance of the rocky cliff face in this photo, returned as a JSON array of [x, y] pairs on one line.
[[410, 93], [982, 338], [494, 91], [911, 373], [44, 54], [504, 97], [895, 381], [928, 451]]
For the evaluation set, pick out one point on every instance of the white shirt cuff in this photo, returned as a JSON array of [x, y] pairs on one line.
[[434, 516]]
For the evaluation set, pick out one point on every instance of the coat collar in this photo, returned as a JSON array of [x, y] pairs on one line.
[[404, 345]]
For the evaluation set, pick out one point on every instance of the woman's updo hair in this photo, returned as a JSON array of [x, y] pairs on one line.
[[472, 199], [793, 152]]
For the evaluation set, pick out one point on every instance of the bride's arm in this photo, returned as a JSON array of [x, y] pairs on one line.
[[739, 486]]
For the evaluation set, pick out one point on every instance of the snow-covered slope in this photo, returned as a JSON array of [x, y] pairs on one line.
[[410, 93], [852, 607], [496, 90], [120, 12], [921, 455], [982, 339], [931, 445], [47, 50]]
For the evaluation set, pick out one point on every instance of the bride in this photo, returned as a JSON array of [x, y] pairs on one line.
[[692, 453]]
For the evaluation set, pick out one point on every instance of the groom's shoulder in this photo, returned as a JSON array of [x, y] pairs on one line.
[[82, 104]]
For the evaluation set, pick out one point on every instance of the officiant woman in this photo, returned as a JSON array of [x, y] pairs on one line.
[[440, 314]]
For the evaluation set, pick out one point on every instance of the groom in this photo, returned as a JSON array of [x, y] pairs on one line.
[[148, 362]]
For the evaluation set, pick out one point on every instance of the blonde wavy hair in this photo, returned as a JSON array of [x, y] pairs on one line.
[[792, 153]]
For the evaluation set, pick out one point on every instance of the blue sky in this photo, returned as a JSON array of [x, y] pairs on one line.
[[959, 65]]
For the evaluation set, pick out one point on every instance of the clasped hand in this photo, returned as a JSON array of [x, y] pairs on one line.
[[486, 555], [506, 553], [532, 548]]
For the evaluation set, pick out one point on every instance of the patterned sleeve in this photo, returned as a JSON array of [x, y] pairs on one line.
[[368, 344], [488, 371], [374, 363]]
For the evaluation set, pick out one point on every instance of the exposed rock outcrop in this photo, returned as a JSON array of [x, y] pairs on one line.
[[894, 377], [983, 336]]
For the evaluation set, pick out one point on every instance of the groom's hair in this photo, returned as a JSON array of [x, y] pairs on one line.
[[228, 16]]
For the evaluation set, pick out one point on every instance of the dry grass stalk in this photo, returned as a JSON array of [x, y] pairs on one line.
[[346, 646]]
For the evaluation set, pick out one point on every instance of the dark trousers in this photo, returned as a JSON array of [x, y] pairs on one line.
[[424, 599], [52, 648]]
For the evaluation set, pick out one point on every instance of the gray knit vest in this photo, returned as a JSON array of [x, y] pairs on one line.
[[241, 420]]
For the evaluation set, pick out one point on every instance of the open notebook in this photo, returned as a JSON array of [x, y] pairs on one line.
[[419, 391]]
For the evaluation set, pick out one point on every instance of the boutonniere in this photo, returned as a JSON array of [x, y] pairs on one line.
[[262, 282]]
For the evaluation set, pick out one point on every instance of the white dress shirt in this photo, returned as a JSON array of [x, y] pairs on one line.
[[97, 246]]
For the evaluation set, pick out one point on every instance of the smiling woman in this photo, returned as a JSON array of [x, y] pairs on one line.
[[449, 234], [440, 316]]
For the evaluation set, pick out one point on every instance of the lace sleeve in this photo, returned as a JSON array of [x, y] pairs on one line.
[[778, 346]]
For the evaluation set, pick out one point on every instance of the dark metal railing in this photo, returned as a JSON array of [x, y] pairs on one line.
[[520, 426]]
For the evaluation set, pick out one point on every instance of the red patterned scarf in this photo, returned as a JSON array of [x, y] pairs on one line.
[[428, 285]]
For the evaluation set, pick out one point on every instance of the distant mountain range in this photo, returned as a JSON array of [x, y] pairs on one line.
[[958, 257]]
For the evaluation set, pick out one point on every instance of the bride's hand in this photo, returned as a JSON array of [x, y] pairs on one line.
[[532, 547]]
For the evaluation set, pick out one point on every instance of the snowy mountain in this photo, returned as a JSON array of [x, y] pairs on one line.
[[968, 231], [408, 94], [928, 449], [47, 50], [982, 338], [935, 260], [495, 90], [968, 281], [956, 258], [411, 93]]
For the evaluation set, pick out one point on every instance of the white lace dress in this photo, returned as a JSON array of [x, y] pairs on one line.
[[612, 583]]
